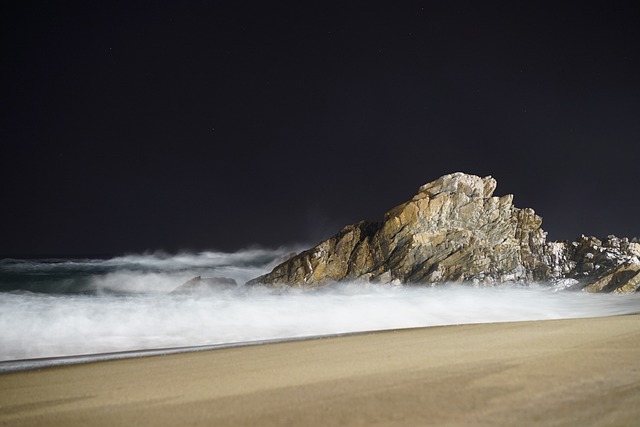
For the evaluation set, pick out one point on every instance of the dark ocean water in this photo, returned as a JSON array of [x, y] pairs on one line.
[[66, 307], [132, 274]]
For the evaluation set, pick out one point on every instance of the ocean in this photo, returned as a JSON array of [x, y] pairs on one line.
[[52, 310]]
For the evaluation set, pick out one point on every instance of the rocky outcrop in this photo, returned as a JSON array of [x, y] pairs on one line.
[[608, 265], [199, 284], [456, 230]]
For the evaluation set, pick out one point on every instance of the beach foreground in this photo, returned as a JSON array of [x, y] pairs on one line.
[[553, 373]]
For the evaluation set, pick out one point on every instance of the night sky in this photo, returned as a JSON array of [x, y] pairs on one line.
[[131, 126]]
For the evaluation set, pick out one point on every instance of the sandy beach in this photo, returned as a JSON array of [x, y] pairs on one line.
[[552, 373]]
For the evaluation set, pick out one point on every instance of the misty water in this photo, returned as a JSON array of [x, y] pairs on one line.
[[63, 307]]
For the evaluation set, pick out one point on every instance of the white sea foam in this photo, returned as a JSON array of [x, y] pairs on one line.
[[35, 325], [134, 274], [52, 308]]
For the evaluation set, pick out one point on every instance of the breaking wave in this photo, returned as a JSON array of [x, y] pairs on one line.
[[53, 308], [156, 273]]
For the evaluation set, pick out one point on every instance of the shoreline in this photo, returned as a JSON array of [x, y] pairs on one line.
[[567, 372], [24, 365]]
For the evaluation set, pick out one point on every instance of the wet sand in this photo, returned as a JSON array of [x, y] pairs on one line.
[[549, 373]]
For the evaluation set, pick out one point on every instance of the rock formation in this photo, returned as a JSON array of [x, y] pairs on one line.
[[455, 230], [200, 284], [608, 265]]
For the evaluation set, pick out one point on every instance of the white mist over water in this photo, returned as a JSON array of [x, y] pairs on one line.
[[156, 273], [144, 316]]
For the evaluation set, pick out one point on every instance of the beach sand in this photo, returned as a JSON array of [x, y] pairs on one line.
[[549, 373]]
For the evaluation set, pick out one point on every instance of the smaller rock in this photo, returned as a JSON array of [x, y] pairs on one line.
[[623, 280], [207, 284], [566, 284]]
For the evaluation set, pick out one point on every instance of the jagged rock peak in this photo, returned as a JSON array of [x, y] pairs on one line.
[[459, 182], [452, 230], [455, 230]]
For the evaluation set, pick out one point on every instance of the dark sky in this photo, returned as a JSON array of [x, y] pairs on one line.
[[132, 126]]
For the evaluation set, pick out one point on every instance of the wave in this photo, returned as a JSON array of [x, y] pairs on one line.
[[37, 325], [143, 273], [64, 307]]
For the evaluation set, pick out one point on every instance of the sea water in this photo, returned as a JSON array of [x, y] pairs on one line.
[[69, 307]]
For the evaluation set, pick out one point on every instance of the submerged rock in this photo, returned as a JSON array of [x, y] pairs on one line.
[[199, 284], [455, 230]]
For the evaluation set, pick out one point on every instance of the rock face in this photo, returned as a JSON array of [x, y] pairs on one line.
[[455, 230]]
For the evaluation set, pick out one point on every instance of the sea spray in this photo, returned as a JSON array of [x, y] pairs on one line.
[[52, 308], [150, 273], [34, 325]]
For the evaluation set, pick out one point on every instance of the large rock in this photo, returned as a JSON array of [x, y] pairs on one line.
[[455, 230]]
